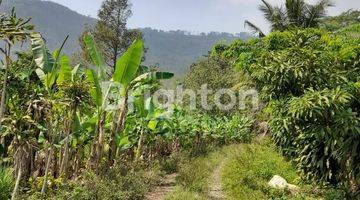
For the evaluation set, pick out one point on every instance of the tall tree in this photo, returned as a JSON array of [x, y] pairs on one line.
[[295, 13], [111, 32]]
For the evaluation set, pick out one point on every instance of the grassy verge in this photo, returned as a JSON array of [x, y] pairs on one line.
[[250, 168], [114, 184]]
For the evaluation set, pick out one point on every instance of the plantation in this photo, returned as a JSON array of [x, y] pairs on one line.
[[94, 125]]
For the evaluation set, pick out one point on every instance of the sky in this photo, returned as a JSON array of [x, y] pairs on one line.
[[196, 15]]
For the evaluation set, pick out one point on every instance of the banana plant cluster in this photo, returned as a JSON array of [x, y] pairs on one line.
[[194, 131], [59, 121]]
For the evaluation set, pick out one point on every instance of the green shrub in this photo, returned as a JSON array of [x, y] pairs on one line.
[[310, 81]]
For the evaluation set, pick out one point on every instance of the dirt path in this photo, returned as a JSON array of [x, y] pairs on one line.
[[166, 187], [216, 192]]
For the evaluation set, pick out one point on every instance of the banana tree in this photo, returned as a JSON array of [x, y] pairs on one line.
[[48, 72], [147, 114], [75, 92], [126, 71], [128, 74], [96, 78]]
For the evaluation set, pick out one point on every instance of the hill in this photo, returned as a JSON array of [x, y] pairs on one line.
[[171, 50], [52, 20]]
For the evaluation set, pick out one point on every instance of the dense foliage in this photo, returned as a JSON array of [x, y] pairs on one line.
[[65, 121], [310, 81], [99, 123]]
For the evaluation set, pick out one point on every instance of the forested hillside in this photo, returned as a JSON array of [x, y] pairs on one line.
[[173, 51], [54, 21]]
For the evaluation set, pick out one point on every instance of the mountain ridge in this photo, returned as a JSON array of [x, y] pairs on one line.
[[174, 51]]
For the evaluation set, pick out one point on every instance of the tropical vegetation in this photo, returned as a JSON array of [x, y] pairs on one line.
[[90, 127]]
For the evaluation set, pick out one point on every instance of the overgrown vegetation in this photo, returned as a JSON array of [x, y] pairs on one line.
[[249, 170], [309, 80], [64, 122], [78, 129]]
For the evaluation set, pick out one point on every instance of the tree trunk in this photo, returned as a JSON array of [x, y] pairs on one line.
[[140, 146], [98, 145], [2, 144], [55, 167], [65, 160], [17, 185], [3, 91], [48, 160], [2, 108], [118, 128], [63, 167], [77, 161]]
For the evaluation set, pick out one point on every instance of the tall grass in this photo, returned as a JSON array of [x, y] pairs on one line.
[[6, 183]]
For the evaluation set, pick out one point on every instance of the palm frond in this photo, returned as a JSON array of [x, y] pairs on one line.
[[254, 28], [267, 10], [316, 12], [295, 10], [279, 20]]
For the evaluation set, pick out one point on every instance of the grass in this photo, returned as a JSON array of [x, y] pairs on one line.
[[193, 177], [250, 168], [181, 193], [114, 184], [247, 170], [6, 183]]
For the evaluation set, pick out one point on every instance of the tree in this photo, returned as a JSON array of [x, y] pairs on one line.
[[111, 33], [295, 13], [13, 30]]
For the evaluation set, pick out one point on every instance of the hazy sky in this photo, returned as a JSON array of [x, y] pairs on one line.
[[195, 15]]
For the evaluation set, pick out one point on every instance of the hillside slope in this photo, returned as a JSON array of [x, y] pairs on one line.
[[173, 50], [54, 21]]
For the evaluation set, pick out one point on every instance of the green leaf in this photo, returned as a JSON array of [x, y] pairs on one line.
[[122, 141], [74, 72], [150, 76], [128, 64], [95, 55], [150, 107], [42, 56], [152, 125], [95, 88], [164, 75], [42, 76], [65, 71]]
